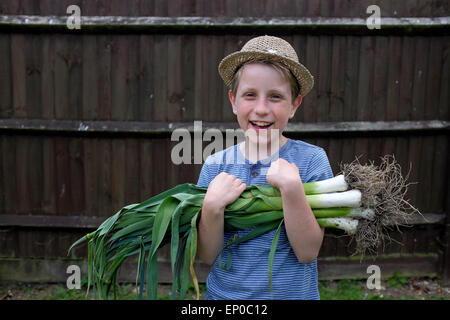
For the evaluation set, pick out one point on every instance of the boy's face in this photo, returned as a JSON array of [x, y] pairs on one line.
[[263, 103]]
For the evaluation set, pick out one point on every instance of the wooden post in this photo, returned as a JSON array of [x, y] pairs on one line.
[[445, 258]]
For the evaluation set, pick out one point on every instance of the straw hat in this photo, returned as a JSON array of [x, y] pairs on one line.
[[272, 48]]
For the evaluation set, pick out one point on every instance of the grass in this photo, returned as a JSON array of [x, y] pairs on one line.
[[60, 292], [397, 287]]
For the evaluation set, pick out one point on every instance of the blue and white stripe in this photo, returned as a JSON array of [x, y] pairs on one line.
[[248, 278]]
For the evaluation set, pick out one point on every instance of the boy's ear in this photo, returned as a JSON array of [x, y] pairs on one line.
[[296, 105], [232, 100]]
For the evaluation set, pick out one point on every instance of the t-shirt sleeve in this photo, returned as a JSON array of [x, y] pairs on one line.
[[319, 167]]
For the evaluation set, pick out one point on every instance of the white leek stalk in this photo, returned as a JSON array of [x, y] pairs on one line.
[[351, 199], [349, 225], [365, 213], [334, 184]]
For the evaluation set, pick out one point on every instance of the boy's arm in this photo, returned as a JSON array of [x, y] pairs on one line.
[[223, 190], [210, 234], [304, 233]]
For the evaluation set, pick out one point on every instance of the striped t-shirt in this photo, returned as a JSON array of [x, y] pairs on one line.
[[247, 278]]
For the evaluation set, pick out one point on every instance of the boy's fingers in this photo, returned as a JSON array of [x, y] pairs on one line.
[[239, 183], [274, 167], [241, 188]]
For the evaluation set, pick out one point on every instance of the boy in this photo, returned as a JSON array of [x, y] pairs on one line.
[[267, 84]]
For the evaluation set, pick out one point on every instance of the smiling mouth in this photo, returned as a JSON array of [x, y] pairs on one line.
[[261, 124]]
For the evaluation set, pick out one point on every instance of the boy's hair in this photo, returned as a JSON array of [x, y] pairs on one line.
[[278, 66]]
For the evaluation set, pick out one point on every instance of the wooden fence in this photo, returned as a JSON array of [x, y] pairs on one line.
[[86, 115]]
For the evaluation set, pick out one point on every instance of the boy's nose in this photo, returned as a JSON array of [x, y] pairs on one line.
[[261, 107]]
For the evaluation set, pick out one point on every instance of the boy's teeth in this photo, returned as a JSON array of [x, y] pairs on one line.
[[262, 124]]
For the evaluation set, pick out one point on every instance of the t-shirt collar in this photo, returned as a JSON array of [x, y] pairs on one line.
[[264, 162]]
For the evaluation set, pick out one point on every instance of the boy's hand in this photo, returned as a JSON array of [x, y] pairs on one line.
[[283, 174], [223, 190]]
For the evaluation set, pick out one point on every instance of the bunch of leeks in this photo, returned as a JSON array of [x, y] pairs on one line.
[[362, 202]]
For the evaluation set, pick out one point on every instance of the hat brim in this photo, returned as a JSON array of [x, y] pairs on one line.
[[229, 65]]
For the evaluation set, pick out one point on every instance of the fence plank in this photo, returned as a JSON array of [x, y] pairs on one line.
[[33, 76], [188, 71], [256, 8], [103, 164], [18, 75], [432, 81], [444, 91], [132, 176], [324, 71], [406, 82], [15, 269], [119, 59], [440, 160], [365, 78], [133, 77], [174, 82], [47, 77], [337, 85], [49, 177], [146, 81], [118, 174], [62, 72], [394, 78], [22, 162], [445, 260], [310, 104], [89, 80], [128, 128], [75, 78], [419, 78], [146, 168], [351, 77], [106, 92], [2, 178], [64, 201], [91, 186], [5, 76], [34, 172], [380, 78], [160, 79]]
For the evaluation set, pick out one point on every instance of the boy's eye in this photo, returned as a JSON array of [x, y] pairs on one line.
[[249, 94], [276, 96]]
